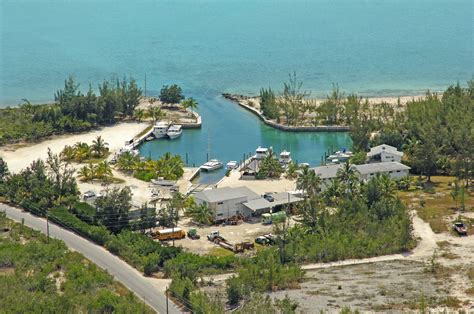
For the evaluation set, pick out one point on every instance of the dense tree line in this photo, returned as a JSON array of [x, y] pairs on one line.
[[47, 277], [347, 219], [72, 111], [436, 132]]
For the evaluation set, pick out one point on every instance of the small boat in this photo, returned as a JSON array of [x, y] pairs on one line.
[[162, 182], [175, 131], [285, 158], [231, 165], [212, 164], [340, 156], [160, 129], [261, 152], [149, 138]]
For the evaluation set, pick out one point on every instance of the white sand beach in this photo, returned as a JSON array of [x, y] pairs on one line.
[[115, 136]]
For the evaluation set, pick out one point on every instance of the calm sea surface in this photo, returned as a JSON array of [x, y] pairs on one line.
[[373, 47]]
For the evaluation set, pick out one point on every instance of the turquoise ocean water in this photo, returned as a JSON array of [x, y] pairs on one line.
[[373, 47]]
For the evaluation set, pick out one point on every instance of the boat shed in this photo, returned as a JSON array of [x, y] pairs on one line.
[[384, 153], [227, 201], [262, 205]]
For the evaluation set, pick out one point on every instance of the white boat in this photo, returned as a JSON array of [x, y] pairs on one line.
[[212, 164], [340, 156], [285, 158], [160, 129], [175, 131], [232, 165], [261, 152]]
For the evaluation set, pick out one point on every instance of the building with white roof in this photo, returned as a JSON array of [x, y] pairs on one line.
[[232, 201], [227, 201], [384, 153], [394, 170]]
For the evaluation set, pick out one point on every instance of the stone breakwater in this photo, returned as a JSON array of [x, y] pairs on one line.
[[241, 99]]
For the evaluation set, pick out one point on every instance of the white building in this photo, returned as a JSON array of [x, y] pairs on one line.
[[384, 153], [227, 202], [394, 170]]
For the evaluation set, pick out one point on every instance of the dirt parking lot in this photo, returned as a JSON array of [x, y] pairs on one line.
[[246, 231]]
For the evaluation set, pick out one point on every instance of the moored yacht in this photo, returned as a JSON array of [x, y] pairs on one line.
[[285, 158], [212, 164], [175, 131], [160, 129], [232, 165], [340, 156], [261, 152]]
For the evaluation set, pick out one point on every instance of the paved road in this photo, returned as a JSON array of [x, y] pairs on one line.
[[121, 271]]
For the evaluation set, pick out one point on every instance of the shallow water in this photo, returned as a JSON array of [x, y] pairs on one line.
[[373, 47]]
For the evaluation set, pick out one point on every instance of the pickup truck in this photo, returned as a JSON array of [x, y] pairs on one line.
[[460, 228]]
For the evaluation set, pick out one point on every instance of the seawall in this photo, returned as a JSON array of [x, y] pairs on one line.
[[287, 128]]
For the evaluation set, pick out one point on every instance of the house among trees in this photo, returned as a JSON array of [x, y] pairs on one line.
[[384, 153], [394, 170]]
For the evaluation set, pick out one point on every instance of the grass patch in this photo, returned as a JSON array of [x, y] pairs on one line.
[[144, 131], [438, 205], [220, 252]]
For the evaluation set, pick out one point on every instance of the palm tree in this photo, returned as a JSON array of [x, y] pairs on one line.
[[83, 151], [127, 162], [348, 175], [68, 153], [201, 214], [85, 173], [308, 181], [156, 113], [333, 192], [139, 114], [190, 103], [291, 170], [103, 170], [99, 146], [387, 186]]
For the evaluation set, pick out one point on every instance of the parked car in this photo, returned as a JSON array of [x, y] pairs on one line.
[[192, 234], [460, 228]]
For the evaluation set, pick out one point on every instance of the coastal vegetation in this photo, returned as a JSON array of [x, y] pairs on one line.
[[168, 166], [171, 94], [269, 167], [42, 275], [436, 132], [348, 219], [49, 189], [83, 152], [72, 111]]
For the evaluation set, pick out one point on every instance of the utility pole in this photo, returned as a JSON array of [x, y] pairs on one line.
[[47, 225], [167, 311]]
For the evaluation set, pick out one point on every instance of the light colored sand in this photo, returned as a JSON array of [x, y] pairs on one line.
[[115, 136], [258, 186]]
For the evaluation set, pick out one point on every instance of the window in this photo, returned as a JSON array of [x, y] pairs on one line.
[[220, 203], [221, 214], [390, 172], [398, 170]]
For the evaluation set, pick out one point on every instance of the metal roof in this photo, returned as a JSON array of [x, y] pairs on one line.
[[226, 193], [384, 147], [279, 199], [328, 171], [381, 167]]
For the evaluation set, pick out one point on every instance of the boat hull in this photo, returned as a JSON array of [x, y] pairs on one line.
[[174, 135]]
